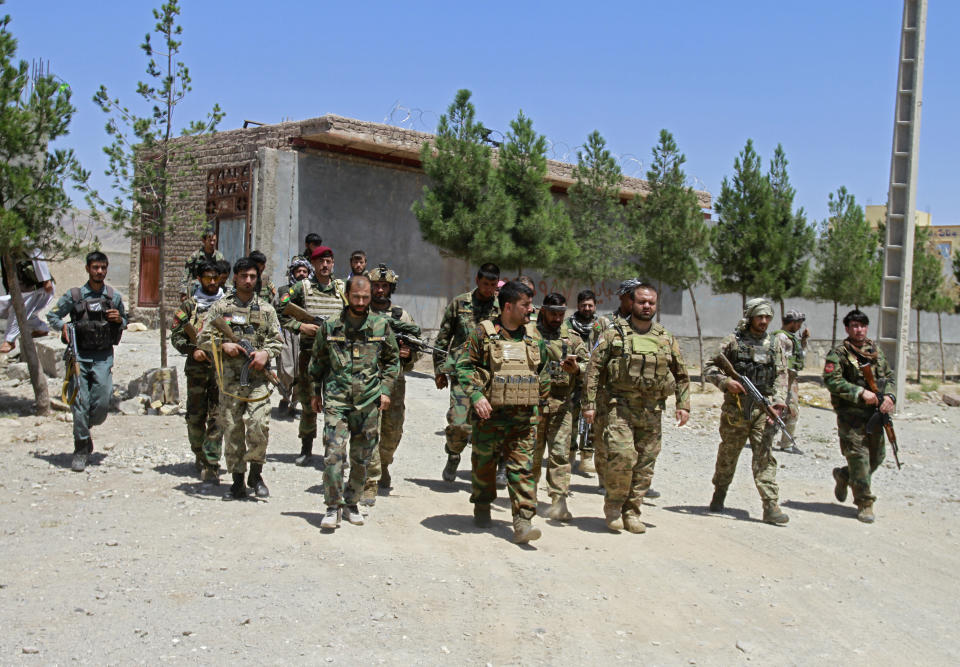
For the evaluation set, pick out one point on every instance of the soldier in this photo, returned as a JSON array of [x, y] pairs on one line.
[[310, 242], [98, 316], [354, 369], [321, 296], [265, 288], [289, 360], [223, 275], [358, 263], [755, 354], [189, 281], [383, 283], [203, 396], [504, 372], [528, 281], [460, 318], [244, 408], [587, 324], [794, 345], [567, 359], [634, 362], [855, 404]]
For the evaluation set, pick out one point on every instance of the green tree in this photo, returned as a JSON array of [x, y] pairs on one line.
[[541, 234], [671, 240], [847, 257], [599, 219], [464, 201], [926, 288], [143, 151], [33, 182], [794, 237], [744, 256]]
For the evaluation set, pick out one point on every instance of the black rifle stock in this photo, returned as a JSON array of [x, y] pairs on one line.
[[221, 325], [880, 418]]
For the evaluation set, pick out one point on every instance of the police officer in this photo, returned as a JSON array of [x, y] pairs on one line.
[[208, 252], [755, 354], [98, 316], [794, 346]]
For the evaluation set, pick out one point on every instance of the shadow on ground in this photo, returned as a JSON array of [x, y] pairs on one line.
[[440, 486], [832, 509], [16, 406], [703, 510], [183, 469], [65, 459]]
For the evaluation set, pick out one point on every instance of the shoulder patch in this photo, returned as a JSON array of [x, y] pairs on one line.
[[829, 367]]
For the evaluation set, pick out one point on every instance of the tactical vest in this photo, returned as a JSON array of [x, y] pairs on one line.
[[757, 362], [89, 314], [317, 302], [640, 363], [248, 322], [795, 361], [561, 382], [513, 367]]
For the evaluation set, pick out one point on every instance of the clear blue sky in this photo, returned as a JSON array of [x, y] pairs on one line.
[[818, 76]]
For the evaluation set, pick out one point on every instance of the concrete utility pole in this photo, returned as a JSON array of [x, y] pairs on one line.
[[894, 322]]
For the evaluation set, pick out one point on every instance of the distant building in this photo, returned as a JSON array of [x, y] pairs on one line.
[[946, 238]]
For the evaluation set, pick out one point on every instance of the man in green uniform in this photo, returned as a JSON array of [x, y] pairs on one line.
[[794, 345], [383, 283], [755, 354], [358, 263], [354, 367], [504, 373], [460, 318], [289, 360], [244, 408], [203, 396], [190, 280], [567, 359], [321, 296], [588, 326], [639, 365], [98, 317], [855, 404], [265, 288]]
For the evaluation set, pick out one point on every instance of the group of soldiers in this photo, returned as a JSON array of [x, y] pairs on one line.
[[524, 383]]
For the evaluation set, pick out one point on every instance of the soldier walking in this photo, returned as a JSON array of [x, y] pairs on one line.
[[754, 353], [504, 374], [855, 404], [638, 364], [461, 317], [203, 396], [794, 345], [244, 398], [354, 366], [98, 317], [587, 324]]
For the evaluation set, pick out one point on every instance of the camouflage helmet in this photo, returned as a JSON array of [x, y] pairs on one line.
[[382, 273]]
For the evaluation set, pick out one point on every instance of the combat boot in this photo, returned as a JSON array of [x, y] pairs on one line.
[[449, 473], [306, 452], [331, 519], [524, 531], [840, 490], [773, 514], [612, 516], [558, 509], [237, 490], [586, 463], [198, 461], [385, 481], [210, 476], [352, 514], [255, 481], [481, 515], [651, 493], [81, 450], [719, 496], [633, 524], [866, 512], [502, 475]]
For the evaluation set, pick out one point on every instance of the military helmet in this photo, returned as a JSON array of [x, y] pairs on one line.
[[382, 273]]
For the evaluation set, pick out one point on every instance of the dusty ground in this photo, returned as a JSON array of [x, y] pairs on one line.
[[131, 562]]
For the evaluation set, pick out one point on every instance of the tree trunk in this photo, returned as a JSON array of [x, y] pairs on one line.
[[162, 310], [696, 316], [743, 301], [782, 311], [29, 349], [943, 364], [833, 329], [918, 346], [659, 296]]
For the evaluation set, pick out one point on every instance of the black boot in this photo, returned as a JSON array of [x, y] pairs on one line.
[[502, 475], [255, 481], [81, 449], [237, 490], [449, 473], [306, 452], [719, 496], [385, 482]]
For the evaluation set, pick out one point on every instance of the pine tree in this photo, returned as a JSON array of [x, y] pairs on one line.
[[33, 183], [794, 236], [598, 217], [927, 285], [142, 148]]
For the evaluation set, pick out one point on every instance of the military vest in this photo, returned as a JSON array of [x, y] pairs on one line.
[[513, 367], [561, 382], [757, 361], [795, 361], [89, 314], [324, 303], [640, 363], [247, 322]]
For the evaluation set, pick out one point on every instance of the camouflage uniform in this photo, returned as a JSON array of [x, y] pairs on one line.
[[189, 280], [511, 430], [289, 360], [245, 423], [589, 333], [318, 300], [556, 421], [604, 323], [391, 421], [794, 354], [351, 367], [760, 359], [203, 395], [636, 371], [844, 379], [460, 318]]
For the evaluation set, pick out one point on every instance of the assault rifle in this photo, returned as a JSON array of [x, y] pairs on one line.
[[757, 397], [300, 315], [221, 325], [71, 382], [880, 418], [417, 344]]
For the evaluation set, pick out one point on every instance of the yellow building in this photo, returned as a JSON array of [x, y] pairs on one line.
[[877, 213], [945, 238]]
